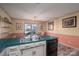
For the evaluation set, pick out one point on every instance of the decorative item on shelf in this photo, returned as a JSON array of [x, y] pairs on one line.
[[7, 20], [69, 22], [50, 25], [19, 26]]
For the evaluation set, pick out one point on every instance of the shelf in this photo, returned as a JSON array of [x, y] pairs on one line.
[[4, 33], [5, 27]]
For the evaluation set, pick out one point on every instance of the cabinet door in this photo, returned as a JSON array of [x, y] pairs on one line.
[[27, 52], [40, 51], [36, 51], [13, 51]]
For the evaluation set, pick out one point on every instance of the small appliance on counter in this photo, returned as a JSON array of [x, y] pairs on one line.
[[35, 37]]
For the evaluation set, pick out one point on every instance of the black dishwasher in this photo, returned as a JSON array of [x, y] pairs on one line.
[[52, 47]]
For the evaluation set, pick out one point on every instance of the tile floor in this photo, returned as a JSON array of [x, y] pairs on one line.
[[67, 51]]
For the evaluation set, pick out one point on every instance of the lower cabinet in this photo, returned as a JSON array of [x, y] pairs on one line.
[[43, 48], [31, 49], [34, 51], [40, 51], [27, 52], [13, 51]]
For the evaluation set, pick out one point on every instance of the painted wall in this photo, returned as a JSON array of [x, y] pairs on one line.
[[4, 32], [12, 31], [68, 31], [22, 21], [69, 36], [18, 21]]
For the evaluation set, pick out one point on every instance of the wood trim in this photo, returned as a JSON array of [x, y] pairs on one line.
[[29, 20]]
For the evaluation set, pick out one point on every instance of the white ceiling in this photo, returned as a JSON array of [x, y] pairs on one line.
[[41, 11]]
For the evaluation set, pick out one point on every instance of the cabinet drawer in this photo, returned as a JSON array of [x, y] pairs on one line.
[[31, 45], [14, 54], [25, 46], [40, 43], [13, 49]]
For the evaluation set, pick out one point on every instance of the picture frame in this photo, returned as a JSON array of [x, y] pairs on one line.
[[69, 22], [19, 26], [50, 25]]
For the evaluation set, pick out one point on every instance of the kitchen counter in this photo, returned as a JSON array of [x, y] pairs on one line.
[[4, 43]]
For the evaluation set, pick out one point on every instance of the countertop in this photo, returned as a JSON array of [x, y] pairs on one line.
[[7, 42]]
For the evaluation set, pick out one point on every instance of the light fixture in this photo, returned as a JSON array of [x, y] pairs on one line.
[[34, 18]]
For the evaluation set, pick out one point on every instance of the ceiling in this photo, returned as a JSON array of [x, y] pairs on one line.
[[39, 11]]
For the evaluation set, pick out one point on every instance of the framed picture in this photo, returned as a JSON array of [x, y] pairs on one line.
[[69, 22], [50, 25], [19, 26]]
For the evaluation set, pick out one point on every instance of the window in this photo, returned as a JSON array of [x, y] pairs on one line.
[[27, 28], [31, 28]]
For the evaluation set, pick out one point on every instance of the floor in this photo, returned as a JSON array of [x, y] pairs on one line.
[[67, 51]]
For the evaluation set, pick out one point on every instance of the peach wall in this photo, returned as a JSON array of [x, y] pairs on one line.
[[69, 36], [72, 41]]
